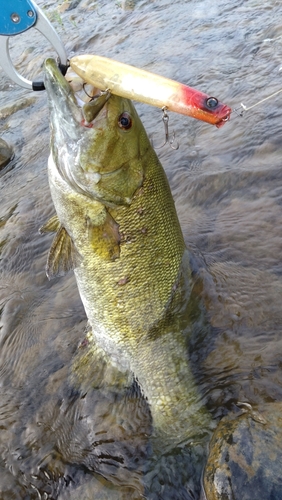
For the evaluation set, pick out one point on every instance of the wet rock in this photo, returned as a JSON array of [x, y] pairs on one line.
[[6, 153], [245, 458], [68, 5], [128, 4], [16, 106]]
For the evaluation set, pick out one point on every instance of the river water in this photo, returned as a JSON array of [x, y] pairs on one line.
[[226, 185]]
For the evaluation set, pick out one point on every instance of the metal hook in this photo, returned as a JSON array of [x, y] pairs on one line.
[[242, 109], [168, 140], [93, 97]]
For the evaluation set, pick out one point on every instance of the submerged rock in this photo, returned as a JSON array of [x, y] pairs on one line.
[[18, 105], [245, 458], [6, 153]]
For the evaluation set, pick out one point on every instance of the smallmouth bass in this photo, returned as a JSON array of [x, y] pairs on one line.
[[117, 228]]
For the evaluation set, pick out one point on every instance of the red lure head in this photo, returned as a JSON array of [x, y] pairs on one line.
[[204, 107]]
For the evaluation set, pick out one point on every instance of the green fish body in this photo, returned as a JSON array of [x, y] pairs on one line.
[[118, 229]]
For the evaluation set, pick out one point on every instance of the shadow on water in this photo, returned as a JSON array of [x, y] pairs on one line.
[[69, 435]]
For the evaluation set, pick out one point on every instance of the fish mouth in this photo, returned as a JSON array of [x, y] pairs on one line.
[[63, 101], [60, 94], [81, 139], [70, 128]]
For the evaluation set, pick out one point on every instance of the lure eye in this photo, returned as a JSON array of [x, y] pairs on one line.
[[125, 121], [211, 102]]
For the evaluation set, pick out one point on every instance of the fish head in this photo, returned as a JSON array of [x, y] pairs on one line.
[[98, 147]]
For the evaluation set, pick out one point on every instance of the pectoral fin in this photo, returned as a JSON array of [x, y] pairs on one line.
[[51, 226], [62, 255], [93, 367], [104, 238]]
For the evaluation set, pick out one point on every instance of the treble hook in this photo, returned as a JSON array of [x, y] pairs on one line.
[[93, 97], [168, 140]]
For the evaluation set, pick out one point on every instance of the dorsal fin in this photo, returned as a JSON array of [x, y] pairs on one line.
[[62, 255], [51, 226]]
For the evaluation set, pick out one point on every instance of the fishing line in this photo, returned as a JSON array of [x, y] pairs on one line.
[[245, 108]]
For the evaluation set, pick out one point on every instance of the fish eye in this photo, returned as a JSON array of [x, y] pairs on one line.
[[211, 102], [125, 121]]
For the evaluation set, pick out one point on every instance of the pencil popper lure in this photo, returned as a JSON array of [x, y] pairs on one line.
[[134, 83]]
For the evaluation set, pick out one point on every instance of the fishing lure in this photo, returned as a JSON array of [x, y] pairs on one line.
[[140, 85]]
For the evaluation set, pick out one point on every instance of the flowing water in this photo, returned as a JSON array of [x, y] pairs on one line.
[[56, 440]]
